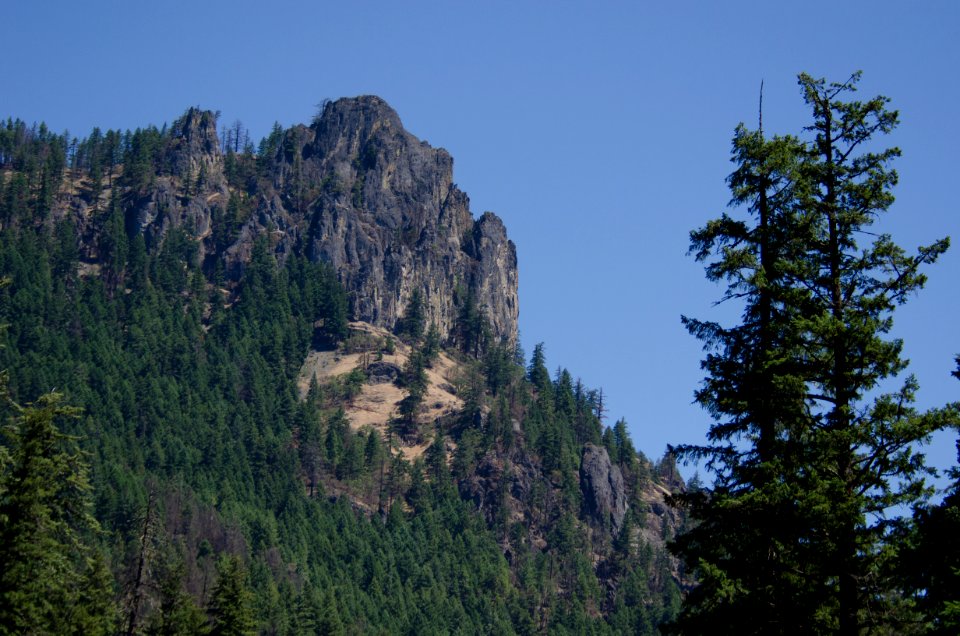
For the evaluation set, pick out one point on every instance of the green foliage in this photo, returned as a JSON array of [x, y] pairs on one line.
[[793, 536], [414, 319], [929, 560], [624, 454], [472, 328], [271, 512], [52, 576], [537, 371], [231, 601], [177, 614], [431, 344]]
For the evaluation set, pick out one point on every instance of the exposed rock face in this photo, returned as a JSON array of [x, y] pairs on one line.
[[382, 372], [391, 220], [496, 476], [193, 167], [353, 189], [604, 493]]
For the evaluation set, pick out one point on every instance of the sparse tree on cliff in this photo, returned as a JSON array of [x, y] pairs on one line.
[[414, 319]]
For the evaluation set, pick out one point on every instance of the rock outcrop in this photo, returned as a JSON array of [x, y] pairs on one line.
[[382, 372], [505, 481], [189, 187], [353, 189], [604, 493], [391, 221]]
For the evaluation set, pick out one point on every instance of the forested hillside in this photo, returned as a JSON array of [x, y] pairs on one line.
[[163, 473], [277, 388]]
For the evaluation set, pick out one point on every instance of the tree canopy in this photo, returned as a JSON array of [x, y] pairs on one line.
[[811, 458]]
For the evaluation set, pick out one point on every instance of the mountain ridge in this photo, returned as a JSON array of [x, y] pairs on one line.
[[179, 295], [353, 189]]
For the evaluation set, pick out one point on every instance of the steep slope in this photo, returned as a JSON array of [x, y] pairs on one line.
[[391, 220], [195, 304], [376, 404], [354, 190]]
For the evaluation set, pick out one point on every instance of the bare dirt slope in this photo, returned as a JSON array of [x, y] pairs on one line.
[[377, 403]]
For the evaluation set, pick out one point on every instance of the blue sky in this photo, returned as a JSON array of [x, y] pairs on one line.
[[599, 132]]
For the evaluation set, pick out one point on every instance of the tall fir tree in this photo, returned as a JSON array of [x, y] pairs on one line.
[[52, 576], [795, 527], [231, 602], [861, 452], [739, 546]]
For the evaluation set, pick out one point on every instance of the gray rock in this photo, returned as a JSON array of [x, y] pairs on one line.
[[382, 372], [396, 222], [191, 186], [604, 493], [502, 481], [357, 191]]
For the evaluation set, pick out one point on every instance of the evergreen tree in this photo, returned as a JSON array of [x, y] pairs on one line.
[[335, 441], [472, 329], [230, 605], [537, 371], [625, 455], [52, 577], [792, 536], [177, 614], [744, 524], [863, 452], [431, 344], [414, 318]]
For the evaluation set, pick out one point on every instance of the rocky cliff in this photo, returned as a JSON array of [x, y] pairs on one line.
[[604, 493], [353, 189], [396, 222], [187, 184]]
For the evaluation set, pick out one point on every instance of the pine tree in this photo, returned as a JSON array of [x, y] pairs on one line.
[[626, 454], [537, 371], [52, 577], [230, 604], [177, 614], [414, 318], [795, 527], [472, 329], [738, 546], [431, 344], [865, 463]]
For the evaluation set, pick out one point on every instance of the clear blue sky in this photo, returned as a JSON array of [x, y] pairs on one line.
[[599, 132]]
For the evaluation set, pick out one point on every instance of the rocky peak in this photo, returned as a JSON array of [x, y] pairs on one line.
[[496, 277], [348, 124], [604, 493], [194, 145], [391, 220], [353, 189], [189, 182]]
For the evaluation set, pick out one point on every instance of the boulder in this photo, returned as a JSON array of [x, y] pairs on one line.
[[382, 372], [604, 493]]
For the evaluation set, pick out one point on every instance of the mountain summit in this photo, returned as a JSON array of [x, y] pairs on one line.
[[353, 189]]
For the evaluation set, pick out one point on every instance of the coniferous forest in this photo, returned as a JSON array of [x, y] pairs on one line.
[[167, 465]]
